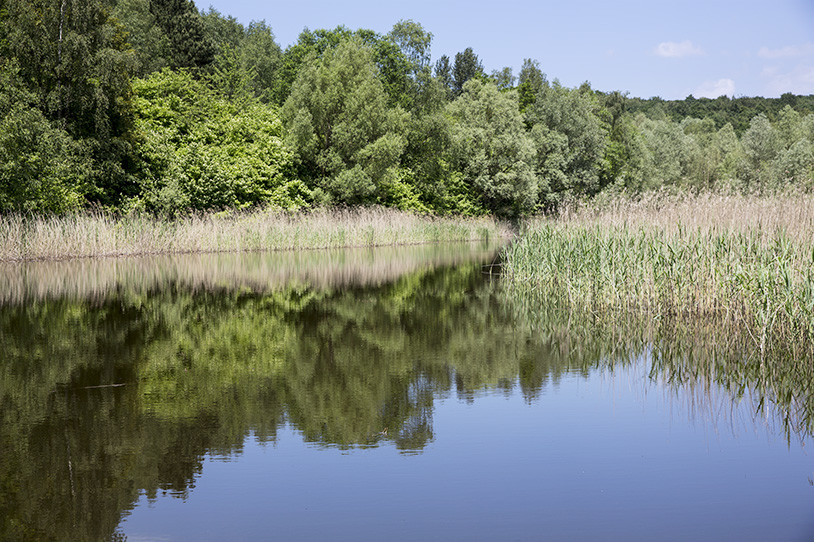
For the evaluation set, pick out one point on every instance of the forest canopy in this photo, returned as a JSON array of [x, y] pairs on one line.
[[157, 106]]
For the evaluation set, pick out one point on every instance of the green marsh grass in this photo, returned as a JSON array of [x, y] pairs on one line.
[[715, 290], [746, 260], [85, 235]]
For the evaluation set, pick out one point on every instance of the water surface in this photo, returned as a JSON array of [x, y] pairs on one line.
[[370, 394]]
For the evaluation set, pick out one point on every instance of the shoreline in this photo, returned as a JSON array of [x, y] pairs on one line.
[[121, 255]]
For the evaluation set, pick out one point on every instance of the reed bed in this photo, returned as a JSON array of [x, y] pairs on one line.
[[85, 235], [715, 292], [745, 261]]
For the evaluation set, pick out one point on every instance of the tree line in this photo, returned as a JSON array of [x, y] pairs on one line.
[[153, 105]]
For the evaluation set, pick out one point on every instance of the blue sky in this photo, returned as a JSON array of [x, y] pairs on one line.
[[668, 49]]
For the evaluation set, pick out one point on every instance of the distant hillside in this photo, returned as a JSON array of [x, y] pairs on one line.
[[738, 111]]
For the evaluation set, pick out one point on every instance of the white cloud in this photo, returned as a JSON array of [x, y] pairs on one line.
[[800, 80], [790, 51], [713, 89], [672, 49]]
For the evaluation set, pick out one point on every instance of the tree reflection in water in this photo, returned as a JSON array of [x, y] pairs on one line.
[[122, 385]]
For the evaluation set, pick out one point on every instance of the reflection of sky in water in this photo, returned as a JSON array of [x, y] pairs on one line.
[[607, 458], [495, 429]]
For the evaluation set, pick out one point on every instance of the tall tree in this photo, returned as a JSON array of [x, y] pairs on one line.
[[620, 136], [150, 43], [41, 167], [394, 72], [492, 150], [263, 56], [348, 140], [503, 79], [73, 56], [393, 66], [310, 44], [467, 66], [761, 144], [529, 83], [191, 46], [443, 72], [790, 127], [669, 151], [569, 138], [222, 30], [248, 58], [414, 42]]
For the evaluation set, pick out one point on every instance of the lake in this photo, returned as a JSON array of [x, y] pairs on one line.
[[368, 394]]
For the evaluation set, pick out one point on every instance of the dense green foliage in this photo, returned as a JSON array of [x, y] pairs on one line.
[[201, 151], [190, 45], [41, 166], [90, 116], [490, 147], [345, 134], [69, 66], [723, 110]]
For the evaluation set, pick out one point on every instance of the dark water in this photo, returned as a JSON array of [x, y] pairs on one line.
[[395, 394]]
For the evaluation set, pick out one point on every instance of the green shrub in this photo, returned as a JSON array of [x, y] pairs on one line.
[[202, 152]]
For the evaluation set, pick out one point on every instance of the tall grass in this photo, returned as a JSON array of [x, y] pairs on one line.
[[747, 262], [715, 291], [85, 235]]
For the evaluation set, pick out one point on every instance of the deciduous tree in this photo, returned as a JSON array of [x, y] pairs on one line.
[[190, 45], [569, 138], [529, 83], [490, 147], [414, 42], [466, 67], [74, 58], [203, 152], [42, 168], [347, 138], [443, 72]]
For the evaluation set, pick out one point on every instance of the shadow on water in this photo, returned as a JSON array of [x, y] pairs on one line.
[[117, 378]]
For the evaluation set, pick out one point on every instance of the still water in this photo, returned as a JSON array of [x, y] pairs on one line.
[[397, 394]]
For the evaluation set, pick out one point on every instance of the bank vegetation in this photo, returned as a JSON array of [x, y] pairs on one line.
[[86, 235], [744, 261]]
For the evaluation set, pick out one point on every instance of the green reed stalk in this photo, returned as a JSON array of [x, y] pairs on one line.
[[750, 262]]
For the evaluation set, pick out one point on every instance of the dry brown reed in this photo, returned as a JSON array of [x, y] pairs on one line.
[[84, 235], [734, 213]]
